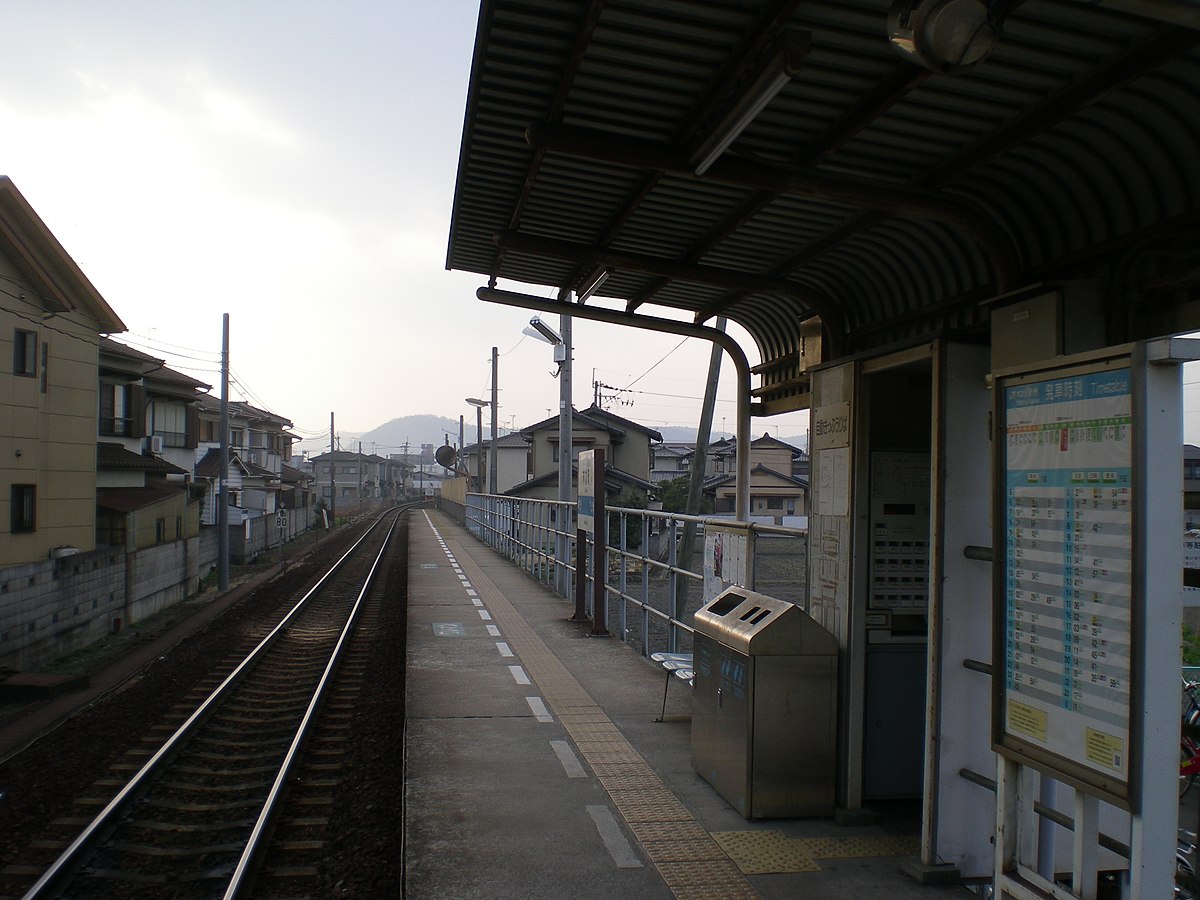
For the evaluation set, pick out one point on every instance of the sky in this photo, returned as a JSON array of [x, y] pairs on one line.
[[292, 164]]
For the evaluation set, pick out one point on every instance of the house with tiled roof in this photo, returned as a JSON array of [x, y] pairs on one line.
[[148, 430], [512, 461], [626, 444], [347, 479], [670, 460], [259, 445], [775, 490]]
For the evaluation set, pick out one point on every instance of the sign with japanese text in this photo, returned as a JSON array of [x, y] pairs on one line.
[[1067, 570], [586, 512]]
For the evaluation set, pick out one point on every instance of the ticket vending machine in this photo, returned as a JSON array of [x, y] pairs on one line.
[[896, 623]]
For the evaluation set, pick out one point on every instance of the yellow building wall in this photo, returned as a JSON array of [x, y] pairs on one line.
[[49, 437]]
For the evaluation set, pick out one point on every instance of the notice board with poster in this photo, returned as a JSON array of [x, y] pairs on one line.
[[728, 558], [1066, 485]]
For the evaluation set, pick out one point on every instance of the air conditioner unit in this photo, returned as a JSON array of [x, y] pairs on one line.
[[156, 443]]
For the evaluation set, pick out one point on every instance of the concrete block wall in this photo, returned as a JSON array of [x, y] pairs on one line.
[[263, 535], [158, 577], [50, 608]]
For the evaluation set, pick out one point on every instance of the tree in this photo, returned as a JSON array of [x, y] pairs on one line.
[[633, 525], [674, 496]]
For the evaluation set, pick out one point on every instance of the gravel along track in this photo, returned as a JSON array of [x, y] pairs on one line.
[[339, 830]]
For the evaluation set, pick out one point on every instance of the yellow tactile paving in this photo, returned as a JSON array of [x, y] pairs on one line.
[[650, 806], [860, 846], [717, 879], [691, 864], [684, 851], [650, 832], [760, 852], [636, 781]]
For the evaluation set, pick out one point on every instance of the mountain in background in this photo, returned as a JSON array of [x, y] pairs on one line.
[[413, 431], [429, 429]]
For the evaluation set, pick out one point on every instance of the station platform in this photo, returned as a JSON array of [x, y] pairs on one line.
[[535, 767]]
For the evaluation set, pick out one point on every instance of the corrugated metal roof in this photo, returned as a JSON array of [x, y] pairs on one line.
[[889, 198]]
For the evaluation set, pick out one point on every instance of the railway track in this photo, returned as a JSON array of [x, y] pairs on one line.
[[201, 815]]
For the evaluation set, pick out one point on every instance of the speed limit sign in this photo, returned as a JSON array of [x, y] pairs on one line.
[[281, 519]]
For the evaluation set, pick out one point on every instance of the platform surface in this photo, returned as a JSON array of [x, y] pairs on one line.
[[535, 766]]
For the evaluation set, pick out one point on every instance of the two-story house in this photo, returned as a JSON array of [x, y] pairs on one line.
[[774, 490], [512, 461], [259, 446], [352, 479], [148, 432], [51, 320], [627, 453], [670, 460], [387, 477]]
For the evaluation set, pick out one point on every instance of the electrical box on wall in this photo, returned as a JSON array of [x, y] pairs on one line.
[[1056, 320], [811, 341]]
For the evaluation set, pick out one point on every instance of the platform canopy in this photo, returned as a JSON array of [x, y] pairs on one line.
[[890, 168]]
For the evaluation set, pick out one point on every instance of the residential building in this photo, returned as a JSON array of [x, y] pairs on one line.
[[512, 461], [774, 490], [259, 445], [1191, 485], [358, 478], [51, 320], [676, 459], [670, 460], [626, 445], [148, 431]]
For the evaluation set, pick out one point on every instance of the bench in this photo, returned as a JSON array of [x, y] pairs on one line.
[[678, 665]]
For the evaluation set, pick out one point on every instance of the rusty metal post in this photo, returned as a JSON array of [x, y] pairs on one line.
[[580, 576], [599, 553]]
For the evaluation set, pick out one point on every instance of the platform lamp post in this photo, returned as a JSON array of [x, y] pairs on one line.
[[562, 355], [479, 405]]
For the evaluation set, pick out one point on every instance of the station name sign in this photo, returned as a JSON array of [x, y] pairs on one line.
[[831, 426]]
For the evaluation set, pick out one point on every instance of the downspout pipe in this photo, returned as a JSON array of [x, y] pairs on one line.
[[664, 326]]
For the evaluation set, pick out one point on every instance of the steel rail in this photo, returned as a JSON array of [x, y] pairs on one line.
[[251, 853], [63, 867]]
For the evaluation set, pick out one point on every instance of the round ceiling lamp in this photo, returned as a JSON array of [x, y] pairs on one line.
[[943, 35]]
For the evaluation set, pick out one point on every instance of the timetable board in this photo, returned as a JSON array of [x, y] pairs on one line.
[[1066, 583]]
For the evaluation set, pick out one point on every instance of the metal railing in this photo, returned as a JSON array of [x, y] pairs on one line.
[[651, 592]]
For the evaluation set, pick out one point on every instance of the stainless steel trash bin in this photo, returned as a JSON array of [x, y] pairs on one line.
[[764, 711]]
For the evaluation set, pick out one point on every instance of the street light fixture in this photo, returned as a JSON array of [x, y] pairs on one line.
[[543, 332]]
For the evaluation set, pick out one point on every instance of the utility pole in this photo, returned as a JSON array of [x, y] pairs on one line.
[[332, 480], [703, 432], [495, 408], [223, 479], [565, 415]]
